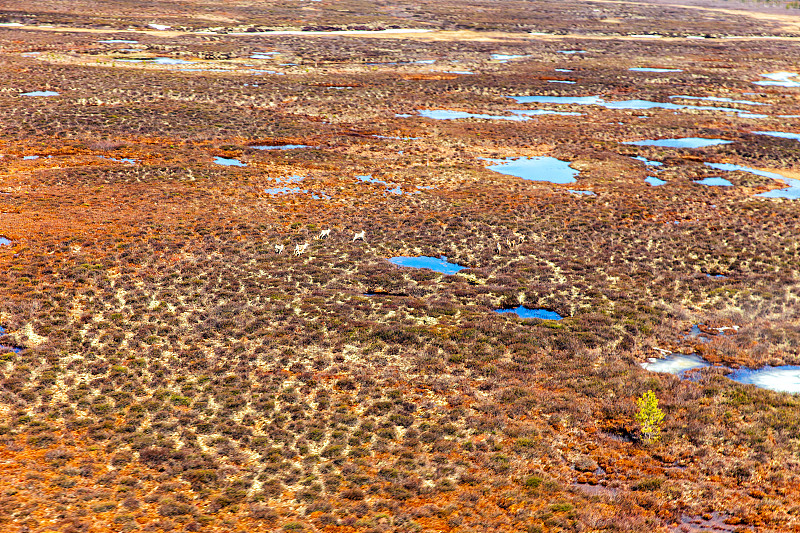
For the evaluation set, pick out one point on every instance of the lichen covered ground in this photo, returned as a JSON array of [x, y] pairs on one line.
[[163, 368]]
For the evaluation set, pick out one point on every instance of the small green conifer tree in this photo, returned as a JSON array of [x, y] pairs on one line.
[[649, 416]]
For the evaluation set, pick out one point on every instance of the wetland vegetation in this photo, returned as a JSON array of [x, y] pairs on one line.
[[465, 348]]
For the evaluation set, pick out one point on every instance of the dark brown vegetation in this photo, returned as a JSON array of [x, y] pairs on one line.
[[176, 374]]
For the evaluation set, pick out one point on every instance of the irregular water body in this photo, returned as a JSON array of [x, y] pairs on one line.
[[158, 61], [777, 378], [675, 363], [791, 191], [714, 182], [229, 162], [282, 147], [626, 104], [391, 188], [655, 182], [526, 312], [436, 264], [40, 93], [648, 162], [584, 193], [562, 81], [542, 168], [685, 142], [781, 134], [4, 242], [780, 79], [505, 57]]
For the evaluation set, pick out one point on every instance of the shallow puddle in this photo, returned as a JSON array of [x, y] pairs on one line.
[[40, 93], [282, 147], [505, 57], [439, 264], [655, 182], [714, 182], [542, 168], [4, 242], [229, 162]]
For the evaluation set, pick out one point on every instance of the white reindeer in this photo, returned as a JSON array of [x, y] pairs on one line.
[[324, 234], [279, 248], [360, 235], [300, 248]]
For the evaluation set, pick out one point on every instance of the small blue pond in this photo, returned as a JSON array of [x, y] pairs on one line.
[[781, 134], [40, 93], [714, 182], [229, 162], [583, 193], [686, 142], [562, 81], [655, 182], [535, 169], [4, 242], [281, 147], [433, 263], [563, 70], [525, 312]]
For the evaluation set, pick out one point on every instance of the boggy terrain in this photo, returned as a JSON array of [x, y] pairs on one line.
[[164, 368]]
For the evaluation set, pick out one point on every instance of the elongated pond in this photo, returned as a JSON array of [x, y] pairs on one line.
[[542, 168], [437, 264]]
